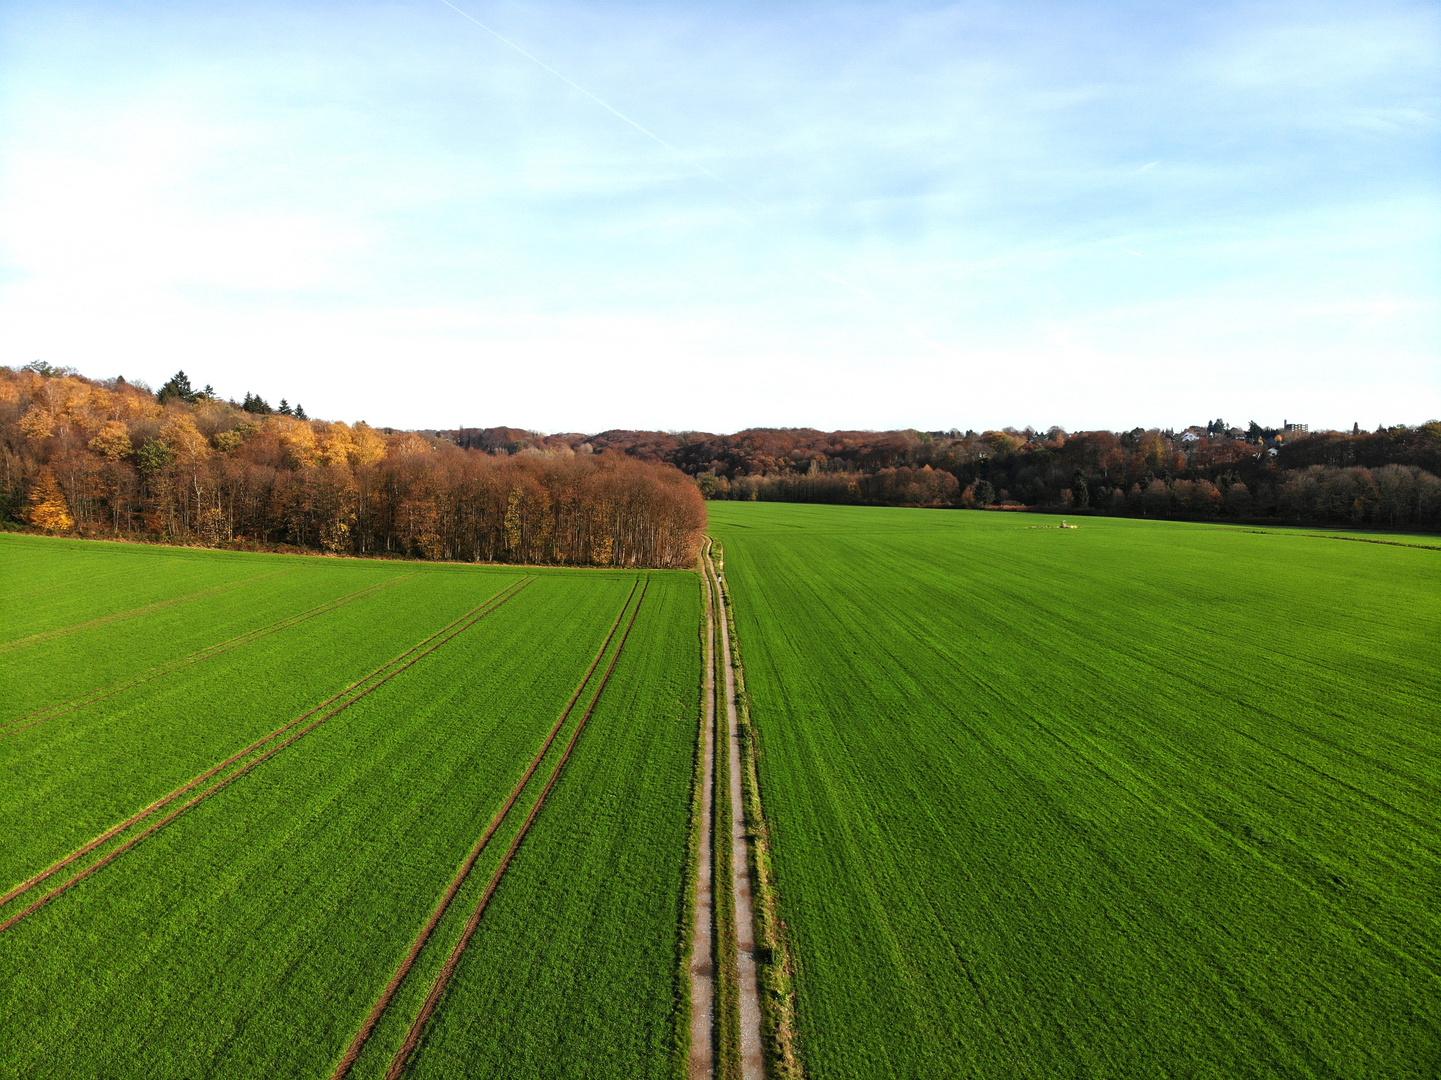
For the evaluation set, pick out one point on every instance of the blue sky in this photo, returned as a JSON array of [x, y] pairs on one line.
[[835, 215]]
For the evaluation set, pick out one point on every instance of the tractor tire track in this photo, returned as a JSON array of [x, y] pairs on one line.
[[357, 1045], [376, 679], [442, 981], [132, 613], [51, 712]]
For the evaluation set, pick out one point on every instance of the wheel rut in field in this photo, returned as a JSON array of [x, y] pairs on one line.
[[357, 1044], [442, 981], [346, 698], [61, 708]]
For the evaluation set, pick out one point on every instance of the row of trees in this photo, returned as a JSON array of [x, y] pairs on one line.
[[1387, 477], [1393, 496], [112, 458], [905, 486]]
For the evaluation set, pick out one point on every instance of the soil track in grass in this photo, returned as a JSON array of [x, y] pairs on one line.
[[347, 698], [40, 716], [747, 1058], [357, 1045], [703, 968], [442, 981], [773, 963]]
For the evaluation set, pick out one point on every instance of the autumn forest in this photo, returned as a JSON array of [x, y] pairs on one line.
[[114, 459], [179, 465]]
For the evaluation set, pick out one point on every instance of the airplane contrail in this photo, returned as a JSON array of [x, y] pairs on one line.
[[696, 165], [843, 283], [607, 106]]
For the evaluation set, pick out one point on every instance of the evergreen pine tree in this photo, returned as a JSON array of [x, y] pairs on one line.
[[179, 387]]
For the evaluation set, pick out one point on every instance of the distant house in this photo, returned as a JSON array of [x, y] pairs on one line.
[[1290, 428], [1189, 437]]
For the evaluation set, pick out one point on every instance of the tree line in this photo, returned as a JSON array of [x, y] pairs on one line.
[[1210, 472], [111, 458]]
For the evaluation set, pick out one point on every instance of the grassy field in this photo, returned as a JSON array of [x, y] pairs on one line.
[[1135, 799], [251, 935], [1131, 800]]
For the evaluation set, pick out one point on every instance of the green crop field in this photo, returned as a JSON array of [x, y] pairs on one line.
[[1135, 799], [253, 933]]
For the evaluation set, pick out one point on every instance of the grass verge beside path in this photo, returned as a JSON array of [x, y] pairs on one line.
[[695, 1020]]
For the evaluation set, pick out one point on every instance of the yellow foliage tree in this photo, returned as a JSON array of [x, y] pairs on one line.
[[48, 508], [113, 441], [134, 404], [182, 436], [70, 401], [298, 439], [411, 443], [369, 445], [336, 443], [37, 423], [227, 442]]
